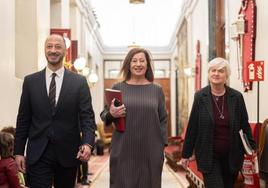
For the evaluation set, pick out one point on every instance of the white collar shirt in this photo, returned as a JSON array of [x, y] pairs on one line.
[[58, 80]]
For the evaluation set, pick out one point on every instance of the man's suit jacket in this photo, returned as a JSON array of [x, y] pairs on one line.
[[200, 131], [37, 123]]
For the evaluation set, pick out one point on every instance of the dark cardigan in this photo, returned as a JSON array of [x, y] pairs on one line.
[[200, 131]]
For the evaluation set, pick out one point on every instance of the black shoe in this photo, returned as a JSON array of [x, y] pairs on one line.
[[85, 182]]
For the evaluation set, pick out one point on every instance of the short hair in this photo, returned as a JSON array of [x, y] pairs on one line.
[[219, 63], [58, 35], [125, 70], [6, 144], [9, 129]]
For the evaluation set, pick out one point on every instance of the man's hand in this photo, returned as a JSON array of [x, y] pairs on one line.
[[84, 153], [185, 161], [20, 160]]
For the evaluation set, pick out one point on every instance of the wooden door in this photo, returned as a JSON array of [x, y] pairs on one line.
[[220, 29], [165, 83]]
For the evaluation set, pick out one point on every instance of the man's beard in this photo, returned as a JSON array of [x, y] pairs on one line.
[[55, 62]]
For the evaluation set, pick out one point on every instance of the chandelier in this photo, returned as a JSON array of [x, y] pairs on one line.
[[133, 45], [136, 1]]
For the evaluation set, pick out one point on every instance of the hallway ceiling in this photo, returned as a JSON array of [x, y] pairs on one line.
[[150, 24]]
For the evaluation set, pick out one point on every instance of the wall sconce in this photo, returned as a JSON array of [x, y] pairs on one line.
[[238, 27], [92, 78], [240, 24], [85, 71], [189, 71], [80, 64]]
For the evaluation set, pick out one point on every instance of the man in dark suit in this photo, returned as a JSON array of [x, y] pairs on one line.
[[50, 121]]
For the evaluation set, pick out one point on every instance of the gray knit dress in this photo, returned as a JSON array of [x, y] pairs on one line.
[[137, 157]]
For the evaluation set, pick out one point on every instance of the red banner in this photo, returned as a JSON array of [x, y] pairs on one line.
[[198, 67], [247, 44]]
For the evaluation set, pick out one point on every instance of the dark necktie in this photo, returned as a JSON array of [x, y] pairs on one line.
[[52, 91]]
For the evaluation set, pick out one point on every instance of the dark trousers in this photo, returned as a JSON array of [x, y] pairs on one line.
[[47, 172], [220, 175]]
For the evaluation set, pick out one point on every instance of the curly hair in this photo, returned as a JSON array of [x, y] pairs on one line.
[[9, 129], [6, 144]]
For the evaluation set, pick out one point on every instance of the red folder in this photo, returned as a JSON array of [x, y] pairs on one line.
[[111, 94]]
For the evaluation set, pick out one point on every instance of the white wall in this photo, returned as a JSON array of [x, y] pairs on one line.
[[26, 37], [75, 18], [173, 91], [43, 30], [65, 14], [196, 13], [9, 84], [200, 18], [261, 54], [23, 57], [83, 30], [34, 40], [97, 90], [55, 11]]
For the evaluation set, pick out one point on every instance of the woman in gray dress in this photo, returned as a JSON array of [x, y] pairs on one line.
[[137, 157]]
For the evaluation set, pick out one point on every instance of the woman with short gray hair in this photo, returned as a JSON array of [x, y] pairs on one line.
[[217, 115]]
